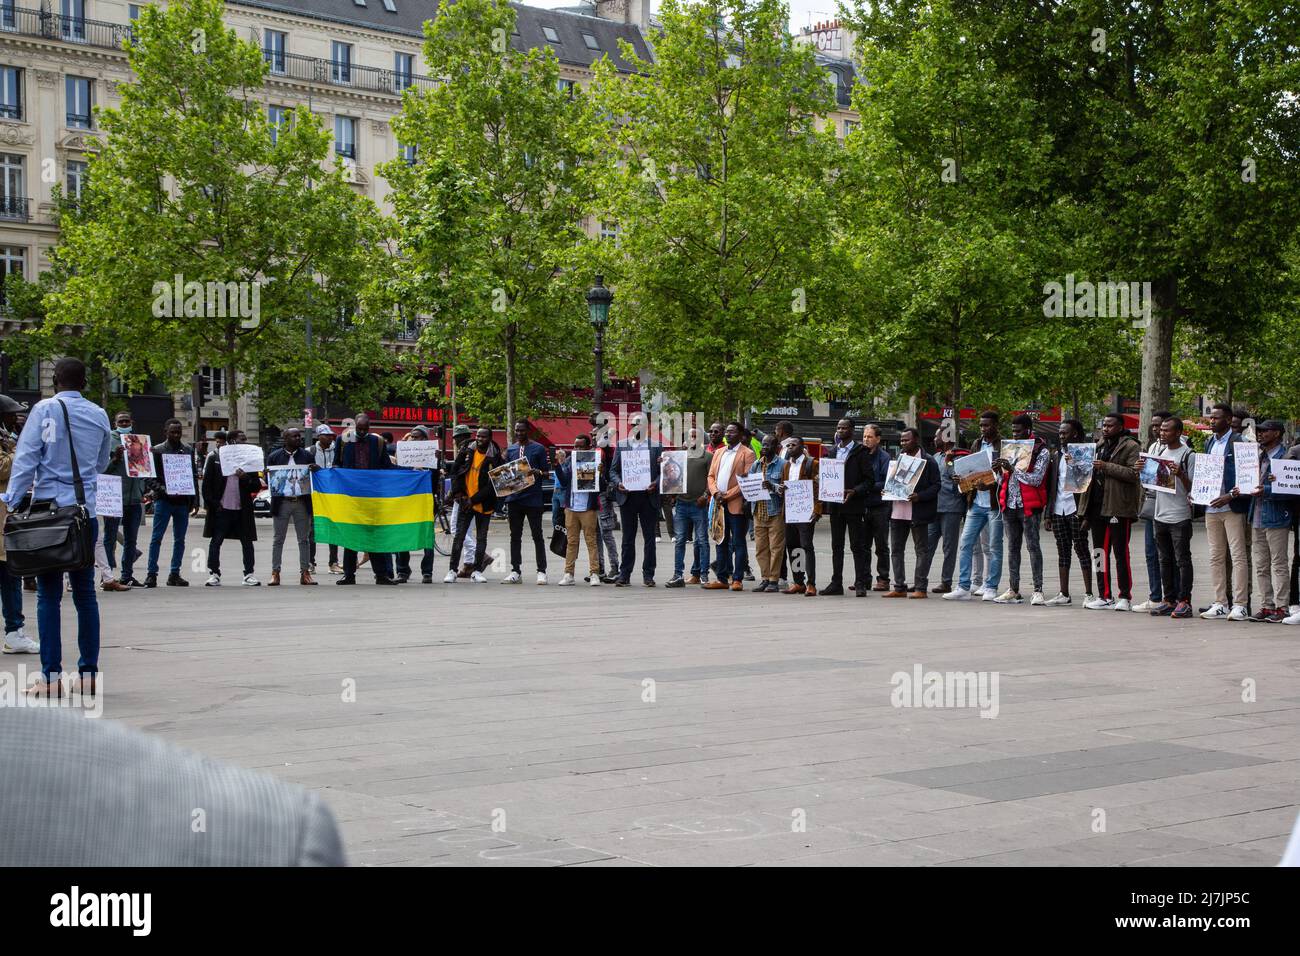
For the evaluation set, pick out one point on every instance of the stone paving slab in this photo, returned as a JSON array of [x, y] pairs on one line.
[[487, 725]]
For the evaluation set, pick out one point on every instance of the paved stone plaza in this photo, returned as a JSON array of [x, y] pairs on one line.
[[497, 725]]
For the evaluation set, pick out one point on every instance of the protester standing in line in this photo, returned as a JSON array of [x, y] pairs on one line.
[[1172, 520], [42, 463], [1064, 519], [802, 557], [1225, 525], [983, 512], [132, 514], [637, 508], [403, 558], [471, 489], [950, 510], [1271, 516], [691, 516], [176, 509], [1021, 498], [366, 451], [769, 521], [1155, 594], [294, 508], [228, 500], [1111, 505], [607, 519], [735, 459], [912, 518], [16, 640], [323, 451], [848, 517], [527, 505], [581, 511]]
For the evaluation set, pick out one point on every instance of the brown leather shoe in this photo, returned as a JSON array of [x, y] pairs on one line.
[[894, 594], [306, 578], [794, 589], [810, 591], [693, 579], [737, 586], [275, 580], [114, 586], [715, 585], [881, 585], [918, 596]]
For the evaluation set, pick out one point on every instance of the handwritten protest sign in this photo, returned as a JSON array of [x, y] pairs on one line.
[[178, 474], [249, 458], [1207, 478], [798, 501], [108, 496], [830, 480], [1246, 454], [417, 454], [1286, 476], [751, 487], [634, 465]]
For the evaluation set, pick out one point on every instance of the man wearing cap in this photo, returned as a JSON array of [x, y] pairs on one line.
[[1270, 519], [323, 453], [418, 433], [11, 586]]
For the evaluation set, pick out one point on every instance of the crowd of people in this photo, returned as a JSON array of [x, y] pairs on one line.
[[972, 531]]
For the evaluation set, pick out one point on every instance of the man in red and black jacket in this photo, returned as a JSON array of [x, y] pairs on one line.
[[1022, 496]]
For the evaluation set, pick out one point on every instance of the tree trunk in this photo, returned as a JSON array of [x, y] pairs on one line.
[[1157, 353], [511, 332]]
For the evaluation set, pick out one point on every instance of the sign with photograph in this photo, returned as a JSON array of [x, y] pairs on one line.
[[974, 471], [1078, 467], [138, 452], [586, 470], [672, 472]]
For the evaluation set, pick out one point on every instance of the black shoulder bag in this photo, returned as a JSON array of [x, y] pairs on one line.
[[47, 538]]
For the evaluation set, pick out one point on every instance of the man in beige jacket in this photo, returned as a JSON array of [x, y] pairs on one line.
[[731, 461], [11, 587]]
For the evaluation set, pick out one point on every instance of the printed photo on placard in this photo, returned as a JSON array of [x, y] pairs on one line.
[[904, 475], [512, 477], [1019, 452], [1078, 469], [672, 472], [138, 451], [1156, 474], [289, 481], [586, 470], [974, 472]]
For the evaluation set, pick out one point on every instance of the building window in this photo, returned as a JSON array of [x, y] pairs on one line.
[[73, 19], [550, 34], [345, 137], [403, 68], [389, 6], [76, 180], [277, 117], [11, 92], [24, 377], [80, 93], [274, 45], [591, 41], [7, 19], [360, 3], [850, 126], [13, 198], [609, 231], [13, 262], [213, 382], [565, 86], [133, 11], [340, 62], [407, 153]]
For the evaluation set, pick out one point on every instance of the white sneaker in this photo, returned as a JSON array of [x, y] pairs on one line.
[[565, 582], [450, 578], [1238, 613], [511, 578], [478, 577], [213, 581], [251, 582], [1087, 598], [957, 594], [1008, 597], [1215, 612], [16, 642], [1099, 604], [1293, 618], [1146, 607], [541, 577], [594, 581], [1123, 604], [1061, 600], [1037, 600], [990, 595]]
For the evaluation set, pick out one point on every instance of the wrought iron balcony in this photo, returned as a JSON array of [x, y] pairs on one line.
[[15, 208]]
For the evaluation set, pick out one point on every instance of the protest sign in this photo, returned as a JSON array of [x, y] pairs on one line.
[[974, 471], [248, 458], [1019, 453], [751, 487], [672, 473], [799, 500], [178, 474], [1078, 470], [289, 481], [1286, 476], [830, 480], [1156, 475], [513, 477], [586, 470], [634, 467], [1246, 454], [904, 475], [1207, 478], [138, 450], [417, 454], [108, 496]]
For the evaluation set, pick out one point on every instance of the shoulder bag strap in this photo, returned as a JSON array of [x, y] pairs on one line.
[[72, 452]]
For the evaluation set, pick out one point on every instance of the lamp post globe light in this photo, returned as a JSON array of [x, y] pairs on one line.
[[598, 299]]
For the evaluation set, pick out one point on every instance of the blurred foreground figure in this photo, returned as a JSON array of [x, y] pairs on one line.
[[76, 791]]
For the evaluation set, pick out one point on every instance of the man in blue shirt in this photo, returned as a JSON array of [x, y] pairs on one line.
[[43, 464], [529, 503]]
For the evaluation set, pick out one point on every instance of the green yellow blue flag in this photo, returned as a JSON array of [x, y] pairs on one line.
[[378, 512]]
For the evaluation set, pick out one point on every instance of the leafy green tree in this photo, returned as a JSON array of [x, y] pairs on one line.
[[716, 170], [490, 213], [194, 200]]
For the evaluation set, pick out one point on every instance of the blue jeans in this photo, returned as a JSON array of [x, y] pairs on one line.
[[132, 515], [733, 553], [11, 596], [976, 519], [49, 596], [179, 515], [1155, 588], [688, 515]]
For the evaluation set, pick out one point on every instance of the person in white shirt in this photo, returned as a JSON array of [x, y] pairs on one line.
[[1063, 518]]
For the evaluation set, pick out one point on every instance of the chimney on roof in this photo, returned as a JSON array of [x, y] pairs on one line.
[[636, 12]]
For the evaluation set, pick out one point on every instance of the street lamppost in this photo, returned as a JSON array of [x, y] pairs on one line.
[[598, 300]]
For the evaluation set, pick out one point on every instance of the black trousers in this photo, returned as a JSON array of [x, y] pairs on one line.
[[1174, 542], [228, 526], [516, 520], [1112, 539], [381, 564], [878, 518], [334, 551], [638, 510], [799, 551], [856, 526], [404, 562], [464, 516]]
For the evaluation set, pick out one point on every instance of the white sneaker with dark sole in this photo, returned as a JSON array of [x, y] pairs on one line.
[[1061, 600]]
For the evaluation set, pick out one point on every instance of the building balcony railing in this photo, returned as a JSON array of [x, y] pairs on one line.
[[110, 36], [15, 208], [369, 79], [11, 111]]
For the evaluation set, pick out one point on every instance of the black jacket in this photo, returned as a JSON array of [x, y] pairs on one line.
[[860, 476], [346, 456], [281, 457], [157, 486], [214, 485], [926, 506], [486, 495]]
